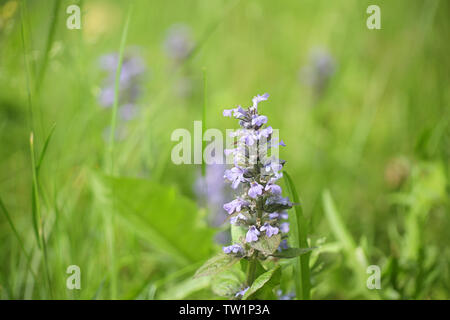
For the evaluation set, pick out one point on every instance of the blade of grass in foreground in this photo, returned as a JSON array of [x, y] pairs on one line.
[[19, 239], [300, 231], [36, 211], [109, 159], [48, 44], [355, 256], [44, 148]]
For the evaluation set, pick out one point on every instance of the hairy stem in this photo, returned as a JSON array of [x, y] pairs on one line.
[[251, 271]]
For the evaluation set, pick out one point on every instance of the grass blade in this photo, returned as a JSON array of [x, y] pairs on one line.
[[36, 211], [44, 148], [109, 161], [48, 44], [112, 135], [300, 231], [19, 239], [355, 256]]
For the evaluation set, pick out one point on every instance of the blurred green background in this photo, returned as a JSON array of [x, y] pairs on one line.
[[364, 114]]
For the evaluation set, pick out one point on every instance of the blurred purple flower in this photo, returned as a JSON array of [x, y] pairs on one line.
[[178, 43], [284, 227], [319, 70]]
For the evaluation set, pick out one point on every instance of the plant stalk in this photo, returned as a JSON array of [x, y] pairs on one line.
[[251, 271]]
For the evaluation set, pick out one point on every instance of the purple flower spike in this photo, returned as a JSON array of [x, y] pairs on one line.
[[252, 234], [284, 227], [270, 231], [256, 173], [255, 190]]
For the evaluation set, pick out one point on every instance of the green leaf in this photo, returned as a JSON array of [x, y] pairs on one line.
[[183, 289], [269, 278], [216, 264], [292, 252], [267, 245], [298, 237], [227, 283], [169, 222]]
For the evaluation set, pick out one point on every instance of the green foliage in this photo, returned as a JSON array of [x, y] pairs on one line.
[[377, 138], [263, 285], [292, 252], [216, 264], [298, 237], [227, 283], [267, 245], [167, 220]]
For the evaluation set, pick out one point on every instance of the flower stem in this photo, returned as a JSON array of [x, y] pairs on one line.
[[251, 271]]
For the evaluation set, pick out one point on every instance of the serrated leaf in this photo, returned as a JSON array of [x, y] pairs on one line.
[[267, 245], [292, 252], [273, 274], [216, 264]]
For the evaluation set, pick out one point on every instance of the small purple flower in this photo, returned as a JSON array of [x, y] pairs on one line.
[[234, 248], [284, 227], [283, 245], [235, 219], [227, 112], [273, 215], [273, 188], [270, 231], [259, 98], [266, 132], [284, 215], [255, 190], [252, 234], [235, 205], [239, 112], [259, 120], [242, 292], [282, 143], [248, 137], [235, 175], [273, 166]]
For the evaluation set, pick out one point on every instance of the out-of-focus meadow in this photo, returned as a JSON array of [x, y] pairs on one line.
[[364, 114]]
